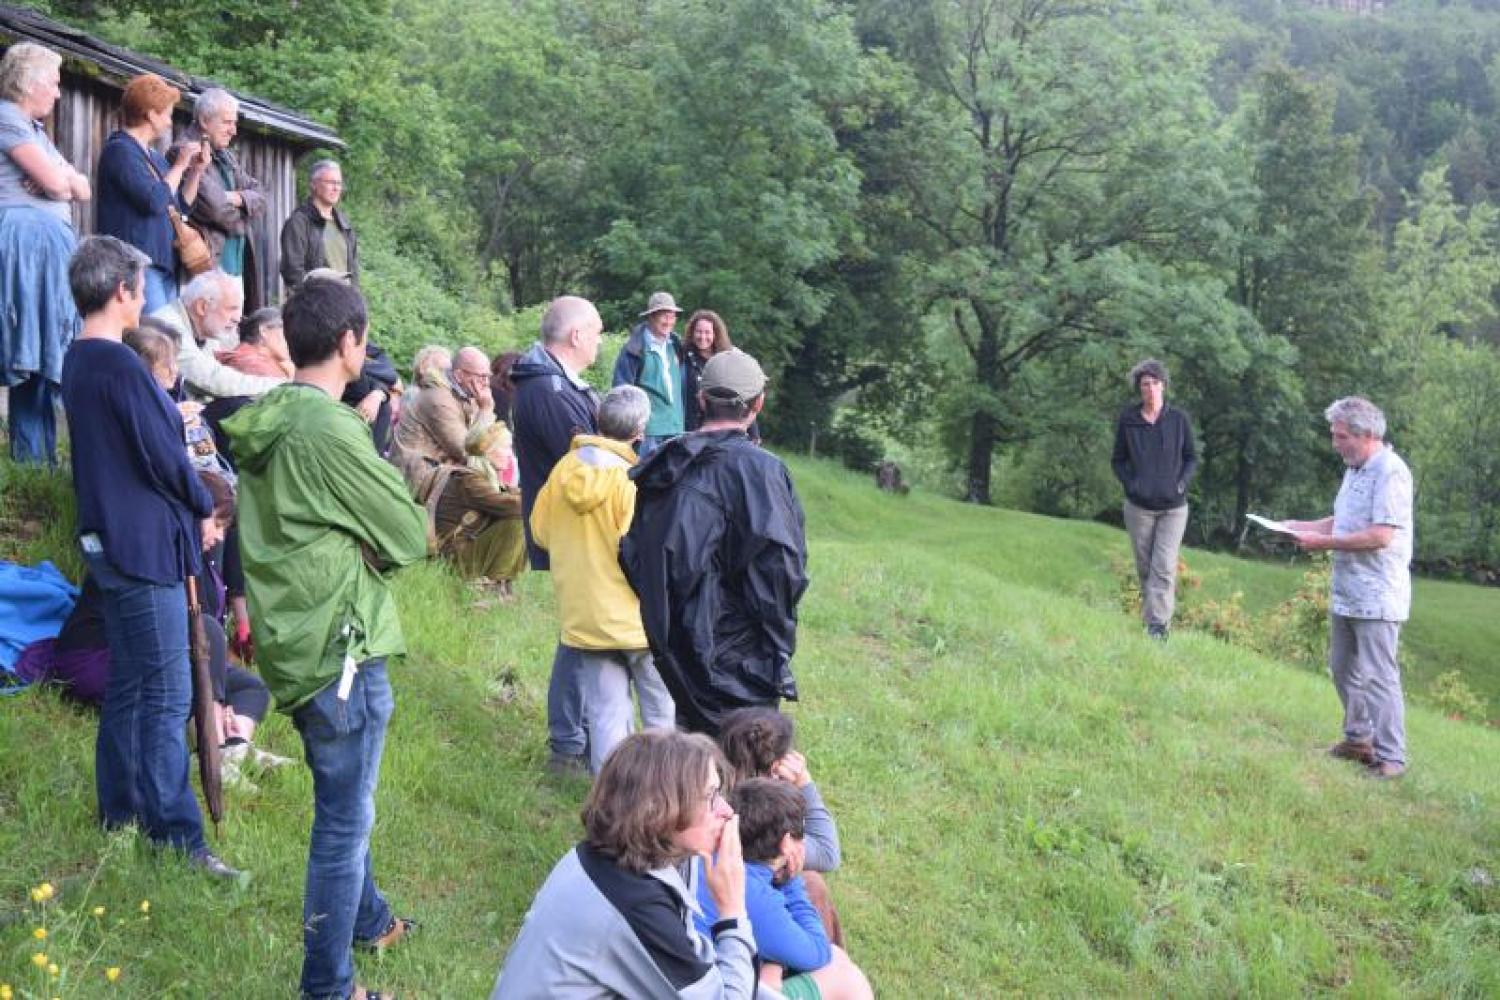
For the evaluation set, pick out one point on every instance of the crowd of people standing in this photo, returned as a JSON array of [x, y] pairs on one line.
[[274, 456]]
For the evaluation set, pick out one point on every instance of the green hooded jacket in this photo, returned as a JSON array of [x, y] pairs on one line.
[[319, 512]]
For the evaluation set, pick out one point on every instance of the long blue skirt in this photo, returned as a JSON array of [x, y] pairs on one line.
[[37, 317]]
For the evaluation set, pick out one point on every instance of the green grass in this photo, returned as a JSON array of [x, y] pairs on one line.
[[1033, 799]]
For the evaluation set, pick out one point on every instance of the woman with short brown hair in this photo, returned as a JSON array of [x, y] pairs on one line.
[[707, 335], [137, 186], [615, 917]]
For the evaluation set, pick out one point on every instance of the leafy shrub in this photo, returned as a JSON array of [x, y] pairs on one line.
[[1451, 694]]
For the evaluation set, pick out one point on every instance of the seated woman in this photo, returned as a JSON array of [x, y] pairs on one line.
[[796, 956], [262, 348], [757, 742], [476, 511], [615, 917]]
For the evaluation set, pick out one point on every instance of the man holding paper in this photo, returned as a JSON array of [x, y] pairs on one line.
[[1154, 459], [1370, 535]]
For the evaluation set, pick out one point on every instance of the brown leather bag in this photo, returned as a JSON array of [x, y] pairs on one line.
[[192, 249], [193, 253]]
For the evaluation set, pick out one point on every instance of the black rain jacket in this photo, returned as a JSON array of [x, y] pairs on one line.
[[718, 555]]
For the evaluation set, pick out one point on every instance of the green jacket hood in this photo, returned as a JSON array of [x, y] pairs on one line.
[[257, 429]]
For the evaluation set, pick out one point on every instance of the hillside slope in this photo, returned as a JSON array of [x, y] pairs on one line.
[[1033, 799]]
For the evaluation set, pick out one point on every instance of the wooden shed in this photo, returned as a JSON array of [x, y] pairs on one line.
[[94, 73]]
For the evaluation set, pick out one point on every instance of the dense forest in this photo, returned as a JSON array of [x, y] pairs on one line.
[[948, 227]]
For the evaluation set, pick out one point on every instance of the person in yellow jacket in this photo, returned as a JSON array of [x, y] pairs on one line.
[[580, 515]]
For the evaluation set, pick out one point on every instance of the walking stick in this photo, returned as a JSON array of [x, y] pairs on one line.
[[204, 709]]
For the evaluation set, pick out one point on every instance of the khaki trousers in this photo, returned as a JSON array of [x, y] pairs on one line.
[[1156, 535]]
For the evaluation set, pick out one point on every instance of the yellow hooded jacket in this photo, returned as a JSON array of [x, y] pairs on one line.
[[579, 518]]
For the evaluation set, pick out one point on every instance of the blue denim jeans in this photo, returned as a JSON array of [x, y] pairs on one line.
[[141, 755], [33, 420], [343, 740], [161, 288], [565, 708]]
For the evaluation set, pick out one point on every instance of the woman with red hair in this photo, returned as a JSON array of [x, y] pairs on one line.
[[137, 186]]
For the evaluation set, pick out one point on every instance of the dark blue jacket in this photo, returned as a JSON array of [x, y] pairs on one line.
[[134, 485], [131, 201], [549, 409]]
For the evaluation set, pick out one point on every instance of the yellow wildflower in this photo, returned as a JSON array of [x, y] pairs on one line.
[[98, 911], [5, 992], [47, 890], [40, 933], [145, 906], [39, 960], [52, 969], [112, 973]]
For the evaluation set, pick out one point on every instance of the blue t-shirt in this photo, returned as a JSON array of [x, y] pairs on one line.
[[16, 129]]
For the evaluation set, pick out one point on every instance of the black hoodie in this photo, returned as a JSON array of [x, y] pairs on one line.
[[718, 555], [1155, 462]]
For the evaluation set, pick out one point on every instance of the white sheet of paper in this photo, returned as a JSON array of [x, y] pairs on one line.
[[1269, 524]]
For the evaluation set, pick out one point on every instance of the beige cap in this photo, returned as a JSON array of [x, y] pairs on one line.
[[732, 375]]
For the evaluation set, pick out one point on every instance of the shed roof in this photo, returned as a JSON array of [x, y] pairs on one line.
[[114, 67]]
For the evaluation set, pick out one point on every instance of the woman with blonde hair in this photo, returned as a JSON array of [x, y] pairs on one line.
[[138, 188], [37, 187], [476, 517]]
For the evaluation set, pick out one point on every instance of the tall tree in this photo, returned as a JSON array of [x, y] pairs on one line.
[[1056, 154]]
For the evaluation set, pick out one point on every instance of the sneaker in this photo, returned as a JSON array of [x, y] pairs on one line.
[[399, 928], [1385, 770], [233, 762], [1359, 751], [1156, 632], [567, 765], [210, 863], [268, 761]]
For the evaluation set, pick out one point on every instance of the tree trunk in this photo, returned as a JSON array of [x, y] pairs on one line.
[[1242, 471], [983, 429]]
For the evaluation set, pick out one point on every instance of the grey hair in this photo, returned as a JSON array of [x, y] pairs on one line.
[[212, 102], [566, 314], [207, 287], [320, 168], [100, 265], [472, 354], [1149, 368], [425, 358], [22, 69], [623, 413], [1362, 417]]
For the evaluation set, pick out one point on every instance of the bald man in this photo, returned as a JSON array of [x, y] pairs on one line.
[[553, 403]]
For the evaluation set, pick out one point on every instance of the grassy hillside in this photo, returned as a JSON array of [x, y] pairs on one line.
[[1033, 798]]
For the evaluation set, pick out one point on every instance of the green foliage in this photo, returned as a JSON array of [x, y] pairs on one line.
[[1452, 696]]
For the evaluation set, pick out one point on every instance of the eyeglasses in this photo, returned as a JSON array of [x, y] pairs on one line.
[[715, 797]]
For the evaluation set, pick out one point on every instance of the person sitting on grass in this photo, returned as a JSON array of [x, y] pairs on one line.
[[580, 515], [616, 916], [796, 956], [757, 742], [476, 512]]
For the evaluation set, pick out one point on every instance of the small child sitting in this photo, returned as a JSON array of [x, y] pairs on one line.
[[157, 346], [795, 953]]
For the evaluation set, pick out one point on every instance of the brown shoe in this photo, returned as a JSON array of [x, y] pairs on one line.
[[399, 928], [1355, 750], [1385, 770]]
